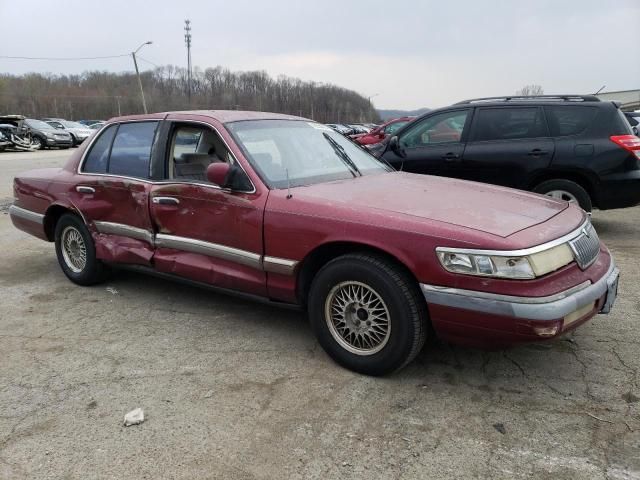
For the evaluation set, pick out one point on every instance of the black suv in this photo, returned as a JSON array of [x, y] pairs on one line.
[[572, 147]]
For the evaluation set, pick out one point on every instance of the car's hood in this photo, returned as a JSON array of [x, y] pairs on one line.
[[486, 208]]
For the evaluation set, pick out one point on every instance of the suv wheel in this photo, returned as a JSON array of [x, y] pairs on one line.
[[566, 190], [367, 314]]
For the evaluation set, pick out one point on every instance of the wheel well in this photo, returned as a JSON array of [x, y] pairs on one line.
[[51, 218], [578, 178], [323, 254]]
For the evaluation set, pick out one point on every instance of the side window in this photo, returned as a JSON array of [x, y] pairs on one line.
[[193, 149], [569, 120], [131, 150], [394, 127], [444, 127], [98, 157], [509, 123]]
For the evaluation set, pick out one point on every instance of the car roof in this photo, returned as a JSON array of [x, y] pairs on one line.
[[223, 116]]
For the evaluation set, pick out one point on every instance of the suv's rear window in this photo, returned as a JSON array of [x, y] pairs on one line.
[[509, 123], [569, 120]]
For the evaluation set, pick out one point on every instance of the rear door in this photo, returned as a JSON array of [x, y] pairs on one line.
[[432, 145], [204, 232], [507, 145], [113, 188]]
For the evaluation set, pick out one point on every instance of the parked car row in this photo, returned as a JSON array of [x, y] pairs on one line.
[[18, 132], [288, 211]]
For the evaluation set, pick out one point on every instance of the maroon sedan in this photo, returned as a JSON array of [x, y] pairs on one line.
[[286, 210], [382, 132]]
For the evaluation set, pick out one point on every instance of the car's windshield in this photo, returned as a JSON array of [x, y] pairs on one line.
[[38, 124], [299, 153]]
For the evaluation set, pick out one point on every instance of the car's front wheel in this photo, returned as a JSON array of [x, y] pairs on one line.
[[367, 313], [76, 252]]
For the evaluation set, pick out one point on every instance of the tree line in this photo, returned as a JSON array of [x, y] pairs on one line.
[[102, 95]]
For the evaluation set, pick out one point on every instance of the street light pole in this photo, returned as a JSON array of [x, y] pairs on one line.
[[370, 97], [135, 63]]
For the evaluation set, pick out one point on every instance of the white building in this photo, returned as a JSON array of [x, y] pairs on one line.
[[629, 99]]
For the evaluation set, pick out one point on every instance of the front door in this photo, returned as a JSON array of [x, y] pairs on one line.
[[433, 145], [204, 232], [113, 192]]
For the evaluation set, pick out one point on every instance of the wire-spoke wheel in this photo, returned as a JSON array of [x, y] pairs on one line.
[[74, 251], [358, 318], [368, 313]]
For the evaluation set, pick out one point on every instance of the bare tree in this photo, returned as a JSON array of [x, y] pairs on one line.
[[104, 95], [530, 90]]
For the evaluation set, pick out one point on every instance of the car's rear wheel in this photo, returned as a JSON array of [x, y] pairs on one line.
[[367, 313], [76, 251], [566, 190]]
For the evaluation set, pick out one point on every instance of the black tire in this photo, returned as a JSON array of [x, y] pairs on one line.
[[74, 142], [571, 188], [92, 271], [405, 305], [38, 142]]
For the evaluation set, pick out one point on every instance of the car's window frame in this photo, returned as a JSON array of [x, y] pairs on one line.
[[103, 130], [159, 155], [417, 122], [474, 126], [172, 124]]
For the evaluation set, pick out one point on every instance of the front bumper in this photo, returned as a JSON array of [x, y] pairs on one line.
[[484, 319], [58, 141]]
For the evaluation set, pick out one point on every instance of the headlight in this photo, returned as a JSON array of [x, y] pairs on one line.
[[487, 264]]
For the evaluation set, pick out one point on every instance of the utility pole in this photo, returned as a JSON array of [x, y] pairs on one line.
[[135, 63], [187, 41]]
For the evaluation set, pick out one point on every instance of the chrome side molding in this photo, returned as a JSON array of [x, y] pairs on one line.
[[211, 249], [111, 228], [279, 265]]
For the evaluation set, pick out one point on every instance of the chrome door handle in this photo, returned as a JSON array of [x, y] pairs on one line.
[[83, 189], [165, 201]]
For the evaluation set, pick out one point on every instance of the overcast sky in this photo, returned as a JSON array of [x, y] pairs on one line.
[[412, 53]]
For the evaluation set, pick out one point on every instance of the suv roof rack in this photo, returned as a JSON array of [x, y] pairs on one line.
[[523, 98]]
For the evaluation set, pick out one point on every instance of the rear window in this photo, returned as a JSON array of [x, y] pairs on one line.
[[98, 157], [569, 120], [621, 125], [128, 154], [509, 123]]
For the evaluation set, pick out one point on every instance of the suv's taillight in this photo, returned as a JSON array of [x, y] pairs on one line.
[[628, 142]]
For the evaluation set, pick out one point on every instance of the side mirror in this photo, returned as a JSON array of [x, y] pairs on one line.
[[217, 173], [635, 131], [394, 145], [381, 135]]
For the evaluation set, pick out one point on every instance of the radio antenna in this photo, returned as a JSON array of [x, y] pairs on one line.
[[288, 184]]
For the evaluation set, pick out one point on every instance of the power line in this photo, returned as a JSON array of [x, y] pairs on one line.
[[63, 58], [148, 61]]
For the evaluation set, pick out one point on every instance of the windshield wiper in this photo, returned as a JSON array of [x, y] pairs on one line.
[[342, 154]]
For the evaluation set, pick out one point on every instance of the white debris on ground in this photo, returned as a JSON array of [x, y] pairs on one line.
[[112, 291], [134, 417]]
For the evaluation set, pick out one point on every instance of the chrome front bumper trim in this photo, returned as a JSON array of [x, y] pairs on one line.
[[26, 214], [552, 307]]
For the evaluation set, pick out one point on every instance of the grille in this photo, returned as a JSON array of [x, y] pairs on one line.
[[586, 247]]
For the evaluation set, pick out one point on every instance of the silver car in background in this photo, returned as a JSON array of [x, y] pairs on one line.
[[79, 133]]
